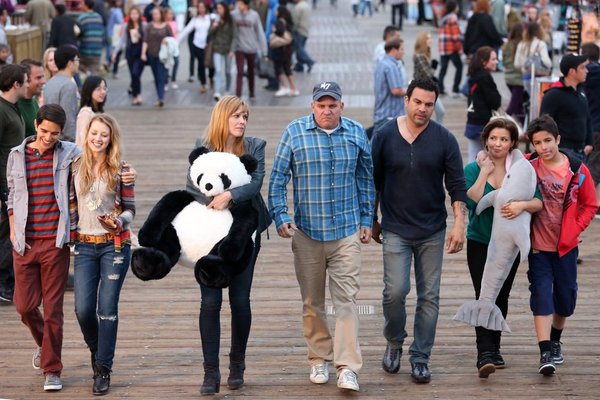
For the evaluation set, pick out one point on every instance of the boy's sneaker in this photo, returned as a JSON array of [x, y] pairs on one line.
[[52, 382], [420, 373], [557, 352], [547, 366], [319, 373], [348, 380], [36, 359]]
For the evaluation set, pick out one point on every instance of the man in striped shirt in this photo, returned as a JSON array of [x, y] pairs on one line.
[[38, 212], [328, 158], [91, 38]]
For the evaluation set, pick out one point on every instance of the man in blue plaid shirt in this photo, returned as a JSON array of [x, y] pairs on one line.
[[328, 158]]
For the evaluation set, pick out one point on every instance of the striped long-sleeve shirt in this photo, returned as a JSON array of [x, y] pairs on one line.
[[92, 34], [332, 178], [43, 213]]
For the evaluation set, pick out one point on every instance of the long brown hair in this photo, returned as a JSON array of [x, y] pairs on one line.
[[217, 130], [421, 44], [110, 169]]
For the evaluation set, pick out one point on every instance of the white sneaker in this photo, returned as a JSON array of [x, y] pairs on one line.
[[294, 93], [36, 359], [174, 85], [167, 87], [319, 373], [52, 382], [282, 92], [347, 380], [217, 96]]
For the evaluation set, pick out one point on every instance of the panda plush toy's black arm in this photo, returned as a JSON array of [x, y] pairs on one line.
[[162, 215], [245, 222]]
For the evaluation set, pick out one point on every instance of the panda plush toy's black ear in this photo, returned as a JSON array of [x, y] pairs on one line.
[[249, 162], [197, 152]]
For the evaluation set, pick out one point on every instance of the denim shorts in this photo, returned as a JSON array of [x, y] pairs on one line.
[[553, 282]]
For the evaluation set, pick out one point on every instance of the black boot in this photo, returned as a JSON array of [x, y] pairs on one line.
[[212, 380], [236, 374], [485, 365], [101, 381], [94, 368], [497, 359]]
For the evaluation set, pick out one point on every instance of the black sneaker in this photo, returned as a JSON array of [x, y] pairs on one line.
[[420, 373], [547, 366], [6, 294], [391, 359], [557, 352], [101, 381], [485, 364]]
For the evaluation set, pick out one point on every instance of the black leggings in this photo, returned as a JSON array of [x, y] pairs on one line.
[[488, 340]]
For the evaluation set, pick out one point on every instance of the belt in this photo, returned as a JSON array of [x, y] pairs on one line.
[[96, 239]]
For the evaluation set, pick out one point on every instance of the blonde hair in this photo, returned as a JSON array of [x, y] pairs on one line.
[[421, 44], [111, 166], [217, 131], [48, 74]]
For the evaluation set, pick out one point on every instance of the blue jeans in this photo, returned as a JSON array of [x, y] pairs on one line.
[[160, 76], [397, 256], [241, 314], [99, 276], [222, 64], [302, 56]]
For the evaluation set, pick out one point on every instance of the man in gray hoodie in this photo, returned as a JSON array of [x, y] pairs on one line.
[[247, 43]]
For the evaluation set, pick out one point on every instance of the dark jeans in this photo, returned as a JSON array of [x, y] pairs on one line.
[[7, 275], [198, 54], [302, 56], [457, 62], [250, 60], [160, 76], [115, 66], [190, 42], [241, 314], [136, 67], [398, 9], [174, 69], [488, 340], [515, 107], [99, 276]]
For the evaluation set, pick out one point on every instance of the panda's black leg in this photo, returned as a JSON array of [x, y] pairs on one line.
[[156, 262], [212, 271]]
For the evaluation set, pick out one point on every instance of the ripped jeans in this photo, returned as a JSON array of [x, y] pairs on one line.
[[99, 276]]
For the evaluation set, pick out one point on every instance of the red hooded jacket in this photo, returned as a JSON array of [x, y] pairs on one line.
[[580, 204]]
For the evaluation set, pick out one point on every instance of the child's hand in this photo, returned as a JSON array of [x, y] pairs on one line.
[[109, 222]]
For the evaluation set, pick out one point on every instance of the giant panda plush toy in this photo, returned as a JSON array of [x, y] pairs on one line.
[[217, 243]]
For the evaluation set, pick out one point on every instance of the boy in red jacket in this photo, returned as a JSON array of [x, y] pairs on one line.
[[569, 205]]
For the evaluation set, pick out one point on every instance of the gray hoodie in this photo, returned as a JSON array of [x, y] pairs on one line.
[[250, 35]]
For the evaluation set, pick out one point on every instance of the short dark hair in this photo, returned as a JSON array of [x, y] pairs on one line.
[[53, 113], [28, 62], [389, 30], [90, 84], [60, 9], [11, 74], [542, 123], [89, 4], [591, 51], [481, 56], [423, 83], [392, 44], [63, 54], [501, 123]]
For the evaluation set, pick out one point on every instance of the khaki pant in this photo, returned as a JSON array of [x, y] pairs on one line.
[[340, 259]]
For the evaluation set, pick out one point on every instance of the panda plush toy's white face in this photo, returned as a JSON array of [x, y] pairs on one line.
[[215, 172]]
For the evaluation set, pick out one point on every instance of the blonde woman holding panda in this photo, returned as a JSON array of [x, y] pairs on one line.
[[225, 132]]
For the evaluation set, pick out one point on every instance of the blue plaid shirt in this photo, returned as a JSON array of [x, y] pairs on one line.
[[332, 176], [389, 73]]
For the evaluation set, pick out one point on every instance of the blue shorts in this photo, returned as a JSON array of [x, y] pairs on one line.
[[553, 282]]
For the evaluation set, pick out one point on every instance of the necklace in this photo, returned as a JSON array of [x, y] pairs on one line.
[[94, 200], [413, 136]]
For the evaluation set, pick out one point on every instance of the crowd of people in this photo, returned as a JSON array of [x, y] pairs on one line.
[[63, 182]]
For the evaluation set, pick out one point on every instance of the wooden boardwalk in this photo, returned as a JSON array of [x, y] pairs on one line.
[[158, 351]]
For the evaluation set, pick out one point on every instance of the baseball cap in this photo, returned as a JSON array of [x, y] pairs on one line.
[[571, 61], [331, 89]]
